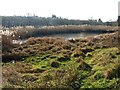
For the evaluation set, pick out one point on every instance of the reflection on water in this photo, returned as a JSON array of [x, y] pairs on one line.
[[74, 35], [66, 36]]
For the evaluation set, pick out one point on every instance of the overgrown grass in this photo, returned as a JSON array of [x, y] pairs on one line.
[[57, 63]]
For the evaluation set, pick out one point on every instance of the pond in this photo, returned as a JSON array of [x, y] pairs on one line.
[[66, 36]]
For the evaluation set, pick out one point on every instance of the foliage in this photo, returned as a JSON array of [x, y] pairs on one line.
[[13, 21]]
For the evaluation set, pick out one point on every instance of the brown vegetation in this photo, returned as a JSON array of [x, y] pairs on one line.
[[35, 46], [34, 32], [7, 43]]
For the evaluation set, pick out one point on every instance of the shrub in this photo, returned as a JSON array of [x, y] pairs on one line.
[[7, 43]]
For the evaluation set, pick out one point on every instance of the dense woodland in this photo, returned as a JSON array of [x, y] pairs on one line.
[[13, 21]]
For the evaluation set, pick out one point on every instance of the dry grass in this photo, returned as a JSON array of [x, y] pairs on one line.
[[81, 27], [7, 43], [35, 46], [107, 40], [30, 32]]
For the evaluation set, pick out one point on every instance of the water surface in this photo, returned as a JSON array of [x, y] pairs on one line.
[[66, 36], [74, 35]]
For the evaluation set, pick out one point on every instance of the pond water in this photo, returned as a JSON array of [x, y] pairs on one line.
[[66, 36]]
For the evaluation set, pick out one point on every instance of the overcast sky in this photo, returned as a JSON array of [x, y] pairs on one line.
[[71, 9]]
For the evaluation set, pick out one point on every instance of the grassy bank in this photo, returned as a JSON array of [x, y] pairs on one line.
[[92, 62]]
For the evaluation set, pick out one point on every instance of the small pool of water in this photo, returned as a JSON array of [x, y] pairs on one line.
[[74, 35], [66, 36]]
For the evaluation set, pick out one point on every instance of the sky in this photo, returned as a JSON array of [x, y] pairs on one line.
[[107, 10]]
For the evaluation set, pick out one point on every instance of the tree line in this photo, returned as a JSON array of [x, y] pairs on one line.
[[13, 21]]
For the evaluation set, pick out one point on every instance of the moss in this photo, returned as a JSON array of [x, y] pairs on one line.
[[84, 66], [98, 75], [103, 57], [100, 83], [112, 72]]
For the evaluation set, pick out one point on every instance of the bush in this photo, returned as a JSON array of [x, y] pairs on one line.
[[7, 43]]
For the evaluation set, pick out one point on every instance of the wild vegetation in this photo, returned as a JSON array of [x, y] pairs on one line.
[[47, 62], [31, 31]]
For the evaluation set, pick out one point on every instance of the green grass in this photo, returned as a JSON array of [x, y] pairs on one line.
[[70, 73]]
